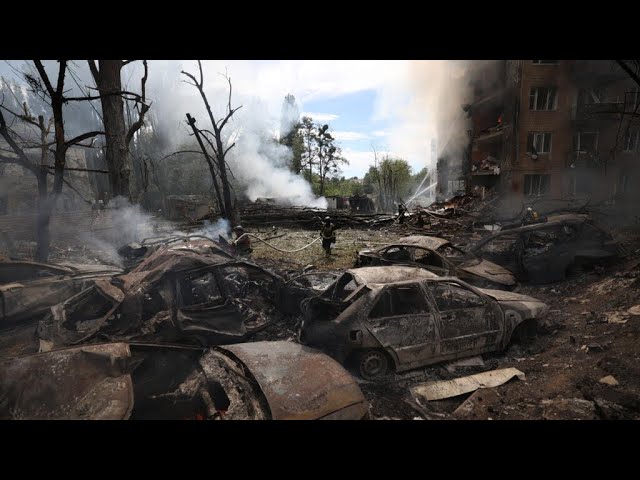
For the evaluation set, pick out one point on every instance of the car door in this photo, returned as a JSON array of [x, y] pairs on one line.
[[402, 319], [468, 324]]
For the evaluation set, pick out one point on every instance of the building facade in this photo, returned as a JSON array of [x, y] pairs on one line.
[[546, 130]]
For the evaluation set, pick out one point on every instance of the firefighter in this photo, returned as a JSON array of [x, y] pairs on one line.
[[402, 209], [327, 231], [530, 216]]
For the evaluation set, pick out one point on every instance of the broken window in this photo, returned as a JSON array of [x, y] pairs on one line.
[[588, 96], [543, 98], [401, 300], [397, 254], [344, 287], [630, 143], [545, 62], [450, 251], [426, 257], [88, 310], [450, 296], [585, 142], [539, 142], [537, 184], [200, 289]]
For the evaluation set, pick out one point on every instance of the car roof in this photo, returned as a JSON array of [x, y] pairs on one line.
[[389, 274], [423, 241]]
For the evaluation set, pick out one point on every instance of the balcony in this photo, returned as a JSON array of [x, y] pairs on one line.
[[605, 110], [490, 133], [581, 160]]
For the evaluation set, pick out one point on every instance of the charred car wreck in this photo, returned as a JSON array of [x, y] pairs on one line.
[[546, 252], [177, 294], [398, 318], [117, 381], [440, 257]]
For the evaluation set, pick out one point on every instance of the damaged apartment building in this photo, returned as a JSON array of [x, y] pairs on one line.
[[550, 130]]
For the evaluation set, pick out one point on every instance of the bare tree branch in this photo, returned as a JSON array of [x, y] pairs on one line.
[[634, 76], [79, 138], [94, 69], [25, 162], [231, 112], [145, 108], [79, 169], [61, 72], [44, 77]]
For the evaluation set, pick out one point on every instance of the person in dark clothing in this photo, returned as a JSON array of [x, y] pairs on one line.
[[401, 211], [328, 235], [242, 243], [530, 216]]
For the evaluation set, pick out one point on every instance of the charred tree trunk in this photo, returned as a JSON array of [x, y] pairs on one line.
[[229, 211], [109, 83], [219, 152], [192, 122], [42, 225]]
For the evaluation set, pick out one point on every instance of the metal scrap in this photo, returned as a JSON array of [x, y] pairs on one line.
[[459, 386]]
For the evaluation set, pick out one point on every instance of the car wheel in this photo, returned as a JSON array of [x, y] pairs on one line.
[[372, 364]]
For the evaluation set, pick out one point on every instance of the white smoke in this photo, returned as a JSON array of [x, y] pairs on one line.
[[221, 228], [123, 223], [428, 99], [257, 161]]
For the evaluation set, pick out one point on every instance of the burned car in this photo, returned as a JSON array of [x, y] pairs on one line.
[[399, 318], [546, 252], [442, 258], [175, 295], [29, 289], [117, 381]]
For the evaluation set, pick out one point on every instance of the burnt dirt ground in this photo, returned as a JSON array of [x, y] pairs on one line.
[[588, 335]]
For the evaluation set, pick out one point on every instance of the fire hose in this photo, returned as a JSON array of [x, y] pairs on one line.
[[276, 248], [187, 237]]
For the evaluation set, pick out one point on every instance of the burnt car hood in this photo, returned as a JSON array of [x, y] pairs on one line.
[[81, 383], [530, 307], [262, 380], [489, 271], [301, 383]]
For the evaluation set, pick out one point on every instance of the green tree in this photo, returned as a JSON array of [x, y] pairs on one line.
[[329, 156], [309, 135], [391, 179]]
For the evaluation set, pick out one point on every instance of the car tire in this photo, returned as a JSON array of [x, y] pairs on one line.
[[372, 364]]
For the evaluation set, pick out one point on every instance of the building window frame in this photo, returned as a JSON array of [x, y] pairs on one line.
[[549, 103], [545, 62], [537, 185], [577, 147], [539, 139]]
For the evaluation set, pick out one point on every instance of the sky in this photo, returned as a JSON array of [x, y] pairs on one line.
[[367, 103], [363, 101]]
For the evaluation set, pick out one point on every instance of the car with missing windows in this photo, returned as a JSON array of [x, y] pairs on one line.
[[549, 250], [442, 258], [396, 318]]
